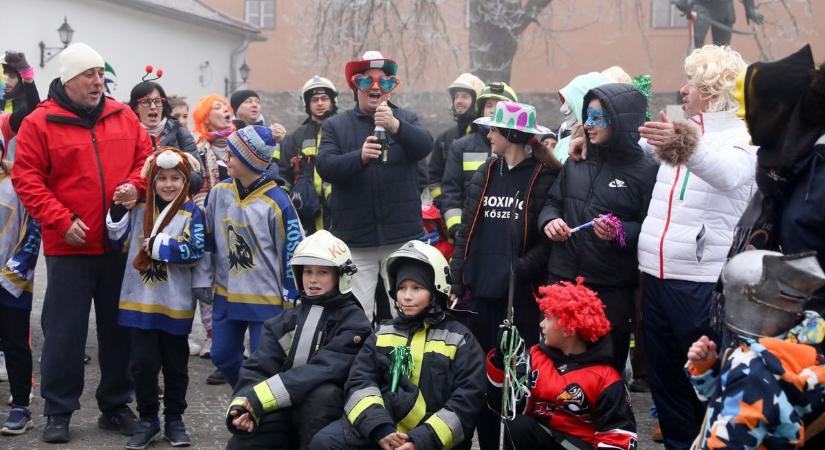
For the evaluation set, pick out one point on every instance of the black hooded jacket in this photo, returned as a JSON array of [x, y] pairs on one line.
[[617, 178], [464, 157]]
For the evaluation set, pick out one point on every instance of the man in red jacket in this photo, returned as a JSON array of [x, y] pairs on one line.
[[77, 153]]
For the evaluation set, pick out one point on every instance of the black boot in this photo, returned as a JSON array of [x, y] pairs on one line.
[[57, 429]]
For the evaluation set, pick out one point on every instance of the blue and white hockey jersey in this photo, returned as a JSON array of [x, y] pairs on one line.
[[19, 247], [160, 298]]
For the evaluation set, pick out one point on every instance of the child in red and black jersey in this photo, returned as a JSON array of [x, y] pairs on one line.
[[576, 396]]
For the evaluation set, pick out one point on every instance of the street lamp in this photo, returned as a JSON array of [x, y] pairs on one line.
[[230, 86], [47, 53]]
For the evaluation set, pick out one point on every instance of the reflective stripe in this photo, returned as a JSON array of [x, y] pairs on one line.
[[360, 400], [452, 217], [447, 427], [276, 155], [441, 348], [389, 336], [417, 350], [276, 386], [418, 411], [286, 341], [265, 396], [309, 147], [307, 335], [473, 160], [390, 340], [435, 190], [449, 337]]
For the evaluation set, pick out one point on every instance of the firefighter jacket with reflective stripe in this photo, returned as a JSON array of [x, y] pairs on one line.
[[438, 158], [438, 403], [297, 167], [300, 349], [465, 156]]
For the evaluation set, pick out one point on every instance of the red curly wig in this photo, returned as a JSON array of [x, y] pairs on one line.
[[577, 309]]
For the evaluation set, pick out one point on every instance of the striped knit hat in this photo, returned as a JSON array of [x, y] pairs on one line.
[[253, 145]]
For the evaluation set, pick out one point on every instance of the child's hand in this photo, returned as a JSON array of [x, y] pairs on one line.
[[243, 422], [145, 245], [408, 446], [126, 195], [604, 230], [702, 352], [392, 441]]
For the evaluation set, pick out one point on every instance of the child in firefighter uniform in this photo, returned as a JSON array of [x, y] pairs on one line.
[[164, 235], [252, 230], [577, 400], [418, 382], [293, 385], [772, 374]]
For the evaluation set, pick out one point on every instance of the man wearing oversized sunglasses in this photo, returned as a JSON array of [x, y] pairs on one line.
[[374, 207]]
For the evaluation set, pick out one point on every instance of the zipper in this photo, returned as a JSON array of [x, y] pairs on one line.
[[478, 210], [527, 196], [102, 185], [667, 224], [586, 203]]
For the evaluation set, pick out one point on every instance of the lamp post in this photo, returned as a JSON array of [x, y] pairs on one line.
[[229, 86], [47, 53]]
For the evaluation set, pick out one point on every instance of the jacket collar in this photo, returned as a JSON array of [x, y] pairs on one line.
[[717, 121]]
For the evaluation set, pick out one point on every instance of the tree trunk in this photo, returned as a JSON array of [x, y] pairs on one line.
[[495, 28]]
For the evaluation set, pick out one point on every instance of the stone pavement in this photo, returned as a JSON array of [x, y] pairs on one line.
[[204, 416]]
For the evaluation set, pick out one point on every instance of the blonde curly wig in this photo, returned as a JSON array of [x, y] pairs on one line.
[[713, 69]]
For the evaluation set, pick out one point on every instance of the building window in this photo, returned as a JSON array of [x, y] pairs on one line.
[[261, 13], [666, 15]]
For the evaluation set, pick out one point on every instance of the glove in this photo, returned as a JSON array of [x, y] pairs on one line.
[[403, 400], [17, 61], [202, 295], [504, 334], [238, 407]]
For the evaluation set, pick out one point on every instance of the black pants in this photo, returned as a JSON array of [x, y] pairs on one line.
[[74, 282], [154, 351], [525, 433], [14, 343], [484, 324], [294, 427], [637, 360], [340, 435], [676, 313]]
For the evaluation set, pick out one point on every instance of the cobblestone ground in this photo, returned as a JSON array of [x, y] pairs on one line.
[[204, 416]]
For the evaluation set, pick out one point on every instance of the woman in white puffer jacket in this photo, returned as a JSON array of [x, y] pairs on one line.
[[703, 186]]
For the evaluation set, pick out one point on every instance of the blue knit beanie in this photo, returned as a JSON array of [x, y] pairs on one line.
[[253, 145]]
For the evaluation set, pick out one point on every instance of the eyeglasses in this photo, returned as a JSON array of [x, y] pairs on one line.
[[147, 102], [386, 83]]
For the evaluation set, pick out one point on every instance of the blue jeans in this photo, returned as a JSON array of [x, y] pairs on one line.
[[227, 340]]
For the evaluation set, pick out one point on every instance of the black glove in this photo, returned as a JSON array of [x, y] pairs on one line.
[[403, 400], [240, 410], [202, 295], [17, 61], [505, 332]]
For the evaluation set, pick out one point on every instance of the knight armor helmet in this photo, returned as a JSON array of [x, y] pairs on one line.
[[766, 291]]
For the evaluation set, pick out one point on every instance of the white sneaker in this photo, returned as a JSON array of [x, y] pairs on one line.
[[4, 376], [194, 348], [205, 348]]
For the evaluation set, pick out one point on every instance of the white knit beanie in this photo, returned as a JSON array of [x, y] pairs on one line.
[[76, 59]]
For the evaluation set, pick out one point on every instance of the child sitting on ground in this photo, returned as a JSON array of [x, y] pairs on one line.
[[576, 398], [165, 239], [293, 385], [418, 382], [758, 395]]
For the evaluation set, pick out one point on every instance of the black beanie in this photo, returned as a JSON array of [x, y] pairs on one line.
[[239, 97], [418, 271]]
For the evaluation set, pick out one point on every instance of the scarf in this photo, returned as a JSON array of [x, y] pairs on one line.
[[155, 131]]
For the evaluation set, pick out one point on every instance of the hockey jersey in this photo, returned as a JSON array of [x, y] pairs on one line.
[[19, 247], [580, 398], [249, 244], [161, 298]]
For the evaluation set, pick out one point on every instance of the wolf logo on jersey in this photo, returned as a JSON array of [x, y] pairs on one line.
[[155, 274], [240, 252]]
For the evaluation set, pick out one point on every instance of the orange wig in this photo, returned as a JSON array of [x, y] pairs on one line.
[[577, 309], [200, 114]]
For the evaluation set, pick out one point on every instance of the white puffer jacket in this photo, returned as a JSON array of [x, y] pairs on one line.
[[695, 206]]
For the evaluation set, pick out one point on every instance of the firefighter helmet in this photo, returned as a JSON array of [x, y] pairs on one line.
[[318, 82], [427, 254], [323, 249], [498, 90]]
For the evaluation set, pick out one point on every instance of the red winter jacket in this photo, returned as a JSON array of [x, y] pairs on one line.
[[62, 167]]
